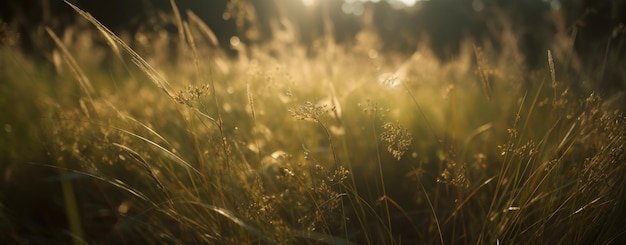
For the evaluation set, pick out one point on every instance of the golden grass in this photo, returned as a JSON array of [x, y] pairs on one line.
[[402, 149]]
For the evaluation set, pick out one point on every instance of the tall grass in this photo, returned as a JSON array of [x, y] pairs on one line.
[[284, 145]]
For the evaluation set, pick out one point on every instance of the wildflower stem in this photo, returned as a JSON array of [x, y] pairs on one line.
[[432, 209], [71, 207], [419, 108], [330, 141], [380, 172]]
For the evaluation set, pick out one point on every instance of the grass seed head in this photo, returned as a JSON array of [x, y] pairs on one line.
[[309, 111], [397, 139]]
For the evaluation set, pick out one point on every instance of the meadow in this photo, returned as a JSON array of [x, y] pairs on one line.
[[130, 139]]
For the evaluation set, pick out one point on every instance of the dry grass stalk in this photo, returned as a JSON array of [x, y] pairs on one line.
[[482, 69]]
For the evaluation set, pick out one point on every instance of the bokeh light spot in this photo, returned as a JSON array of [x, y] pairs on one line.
[[234, 41], [478, 5], [373, 54]]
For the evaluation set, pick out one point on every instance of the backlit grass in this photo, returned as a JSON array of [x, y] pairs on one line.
[[286, 144]]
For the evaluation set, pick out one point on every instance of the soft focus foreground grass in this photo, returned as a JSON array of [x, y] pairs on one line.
[[284, 144]]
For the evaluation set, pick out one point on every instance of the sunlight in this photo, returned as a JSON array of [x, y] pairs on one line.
[[308, 3], [349, 4], [409, 3], [355, 8], [391, 80], [313, 121]]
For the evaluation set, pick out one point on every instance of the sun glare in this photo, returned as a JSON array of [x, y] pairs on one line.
[[409, 3], [353, 3], [308, 2]]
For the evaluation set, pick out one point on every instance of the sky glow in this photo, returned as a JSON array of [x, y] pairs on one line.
[[394, 3]]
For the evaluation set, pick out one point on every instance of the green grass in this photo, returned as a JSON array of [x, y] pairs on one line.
[[335, 146]]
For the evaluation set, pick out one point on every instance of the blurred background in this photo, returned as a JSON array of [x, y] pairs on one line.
[[595, 26]]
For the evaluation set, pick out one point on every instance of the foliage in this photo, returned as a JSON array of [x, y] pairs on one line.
[[201, 147]]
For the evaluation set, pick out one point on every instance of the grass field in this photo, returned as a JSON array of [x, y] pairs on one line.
[[144, 142]]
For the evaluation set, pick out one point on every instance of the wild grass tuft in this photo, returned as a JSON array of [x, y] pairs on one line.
[[142, 147]]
